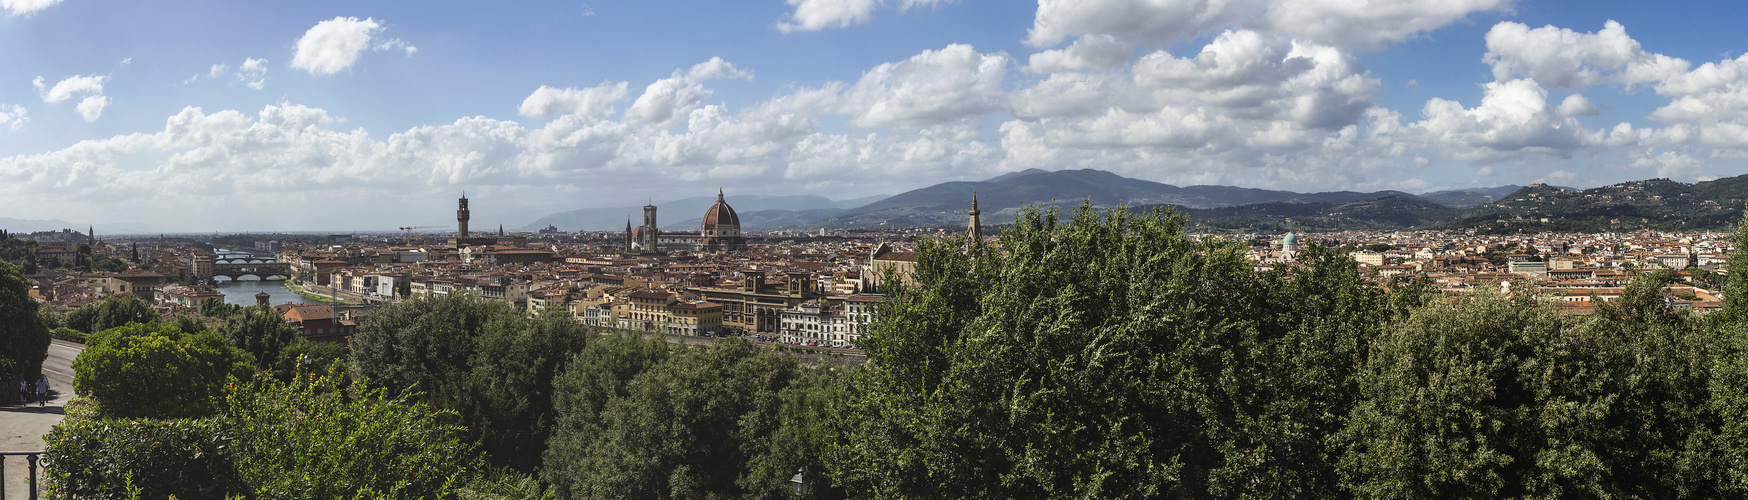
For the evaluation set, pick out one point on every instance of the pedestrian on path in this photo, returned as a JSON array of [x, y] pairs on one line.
[[23, 392], [42, 390]]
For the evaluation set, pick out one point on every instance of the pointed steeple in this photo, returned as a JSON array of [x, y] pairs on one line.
[[975, 231], [719, 195]]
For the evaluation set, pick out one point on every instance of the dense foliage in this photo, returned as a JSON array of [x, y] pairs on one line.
[[481, 359], [260, 331], [113, 311], [156, 370], [1503, 397], [105, 459], [639, 419], [1107, 356], [308, 440], [303, 440], [24, 338]]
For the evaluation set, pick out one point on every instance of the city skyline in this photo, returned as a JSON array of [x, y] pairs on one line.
[[197, 116]]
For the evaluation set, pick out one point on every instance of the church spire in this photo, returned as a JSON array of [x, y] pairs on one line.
[[975, 231], [719, 195]]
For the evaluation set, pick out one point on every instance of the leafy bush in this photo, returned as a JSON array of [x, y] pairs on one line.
[[303, 440], [307, 440], [68, 334], [157, 371], [100, 459], [116, 310]]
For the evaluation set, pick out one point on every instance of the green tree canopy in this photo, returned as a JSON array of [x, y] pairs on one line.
[[426, 341], [479, 358], [1503, 397], [700, 422], [155, 370], [1107, 356], [217, 308], [260, 331], [24, 338], [115, 310], [1729, 327], [506, 393]]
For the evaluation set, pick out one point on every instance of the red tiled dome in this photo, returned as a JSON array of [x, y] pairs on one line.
[[721, 214]]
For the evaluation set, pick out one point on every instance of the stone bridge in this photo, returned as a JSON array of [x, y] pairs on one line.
[[234, 269]]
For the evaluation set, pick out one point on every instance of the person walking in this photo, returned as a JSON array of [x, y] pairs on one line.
[[42, 390], [23, 392]]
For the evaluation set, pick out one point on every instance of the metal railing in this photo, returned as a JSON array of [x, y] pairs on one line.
[[34, 458]]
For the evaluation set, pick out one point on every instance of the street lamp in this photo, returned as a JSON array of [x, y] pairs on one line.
[[799, 481]]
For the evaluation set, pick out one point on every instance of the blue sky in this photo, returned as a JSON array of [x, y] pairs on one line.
[[210, 116]]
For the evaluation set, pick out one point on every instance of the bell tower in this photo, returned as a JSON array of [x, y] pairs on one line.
[[461, 216], [649, 228]]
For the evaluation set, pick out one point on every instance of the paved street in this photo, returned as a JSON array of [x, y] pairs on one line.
[[22, 427]]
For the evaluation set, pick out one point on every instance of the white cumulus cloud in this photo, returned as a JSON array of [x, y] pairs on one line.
[[1249, 74], [668, 101], [1578, 105], [13, 116], [1089, 53], [23, 7], [590, 102], [1334, 22], [1562, 58], [1370, 23], [70, 87], [815, 15], [92, 107], [933, 87], [335, 44], [1513, 115]]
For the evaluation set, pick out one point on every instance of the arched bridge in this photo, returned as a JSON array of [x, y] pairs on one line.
[[234, 270]]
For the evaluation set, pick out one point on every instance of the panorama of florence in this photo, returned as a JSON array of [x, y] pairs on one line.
[[833, 249]]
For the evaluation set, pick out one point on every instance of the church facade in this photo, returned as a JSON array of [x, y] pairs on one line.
[[720, 232]]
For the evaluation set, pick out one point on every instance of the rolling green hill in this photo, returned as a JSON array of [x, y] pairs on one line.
[[1647, 204]]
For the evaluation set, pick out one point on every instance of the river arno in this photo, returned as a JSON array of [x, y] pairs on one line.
[[243, 292]]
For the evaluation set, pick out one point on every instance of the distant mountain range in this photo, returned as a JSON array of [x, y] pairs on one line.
[[1386, 213], [1656, 203], [22, 226], [686, 214]]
